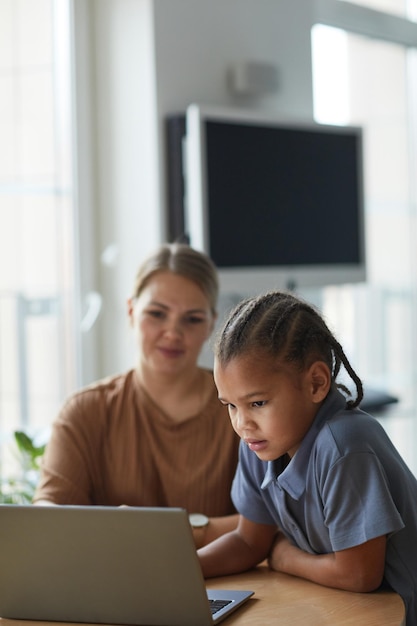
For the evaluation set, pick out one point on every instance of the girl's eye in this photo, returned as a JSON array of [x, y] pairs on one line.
[[259, 403], [228, 405]]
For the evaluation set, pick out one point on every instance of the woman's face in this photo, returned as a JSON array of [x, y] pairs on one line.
[[171, 320]]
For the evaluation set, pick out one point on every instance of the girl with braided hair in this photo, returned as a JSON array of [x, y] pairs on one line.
[[321, 490]]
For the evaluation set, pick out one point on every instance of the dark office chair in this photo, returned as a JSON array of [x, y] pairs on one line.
[[376, 401]]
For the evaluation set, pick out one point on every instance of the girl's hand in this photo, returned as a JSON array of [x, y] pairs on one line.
[[280, 551], [360, 568], [238, 550]]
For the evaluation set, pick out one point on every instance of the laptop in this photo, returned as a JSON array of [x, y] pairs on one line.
[[109, 565]]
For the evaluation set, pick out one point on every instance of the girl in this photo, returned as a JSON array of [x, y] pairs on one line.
[[319, 487]]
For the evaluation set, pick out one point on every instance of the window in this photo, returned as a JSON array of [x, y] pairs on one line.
[[403, 8], [368, 82], [37, 214]]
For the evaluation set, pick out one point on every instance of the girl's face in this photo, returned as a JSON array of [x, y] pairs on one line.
[[271, 408], [171, 319]]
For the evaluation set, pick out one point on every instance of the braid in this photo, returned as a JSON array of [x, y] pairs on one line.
[[342, 359], [285, 327], [234, 333]]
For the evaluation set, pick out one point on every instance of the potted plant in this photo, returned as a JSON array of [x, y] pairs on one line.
[[20, 489]]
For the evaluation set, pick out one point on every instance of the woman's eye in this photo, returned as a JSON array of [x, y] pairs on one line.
[[155, 313], [259, 403], [195, 320]]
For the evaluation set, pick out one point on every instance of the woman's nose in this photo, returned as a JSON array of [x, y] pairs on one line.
[[173, 327]]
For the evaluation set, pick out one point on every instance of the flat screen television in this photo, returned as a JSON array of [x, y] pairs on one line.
[[275, 203]]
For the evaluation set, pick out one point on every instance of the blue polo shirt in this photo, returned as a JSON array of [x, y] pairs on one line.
[[345, 485]]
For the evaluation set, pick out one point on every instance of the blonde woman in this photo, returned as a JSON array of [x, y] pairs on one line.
[[156, 435]]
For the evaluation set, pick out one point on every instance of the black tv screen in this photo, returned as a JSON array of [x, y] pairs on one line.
[[275, 204], [281, 195]]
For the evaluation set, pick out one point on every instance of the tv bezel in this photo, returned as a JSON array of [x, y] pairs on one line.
[[255, 279]]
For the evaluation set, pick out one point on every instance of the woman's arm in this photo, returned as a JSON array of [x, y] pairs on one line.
[[65, 476], [237, 550], [360, 568]]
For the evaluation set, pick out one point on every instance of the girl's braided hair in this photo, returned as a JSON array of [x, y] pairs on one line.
[[285, 327]]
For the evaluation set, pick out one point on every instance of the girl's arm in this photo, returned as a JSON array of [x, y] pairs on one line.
[[237, 550], [216, 527], [355, 569]]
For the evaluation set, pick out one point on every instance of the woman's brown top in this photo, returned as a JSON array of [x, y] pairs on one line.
[[112, 445]]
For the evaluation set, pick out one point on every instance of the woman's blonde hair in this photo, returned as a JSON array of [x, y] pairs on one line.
[[183, 260]]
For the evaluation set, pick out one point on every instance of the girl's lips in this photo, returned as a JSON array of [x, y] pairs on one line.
[[256, 444]]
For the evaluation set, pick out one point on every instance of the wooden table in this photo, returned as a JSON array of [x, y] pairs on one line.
[[282, 600]]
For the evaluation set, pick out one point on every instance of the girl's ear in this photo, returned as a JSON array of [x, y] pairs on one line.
[[320, 381]]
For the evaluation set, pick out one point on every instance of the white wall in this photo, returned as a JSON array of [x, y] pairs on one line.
[[150, 58], [196, 41], [154, 57], [124, 179]]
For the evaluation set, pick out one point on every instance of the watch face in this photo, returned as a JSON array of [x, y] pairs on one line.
[[198, 520]]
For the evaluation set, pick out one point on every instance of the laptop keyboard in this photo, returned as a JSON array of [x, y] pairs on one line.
[[216, 605]]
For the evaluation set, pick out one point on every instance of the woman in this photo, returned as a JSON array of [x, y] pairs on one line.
[[156, 435]]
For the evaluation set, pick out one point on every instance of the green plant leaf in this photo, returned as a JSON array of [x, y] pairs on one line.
[[25, 444], [30, 452], [20, 490]]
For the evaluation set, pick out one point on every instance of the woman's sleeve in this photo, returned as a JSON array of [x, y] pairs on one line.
[[67, 468]]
